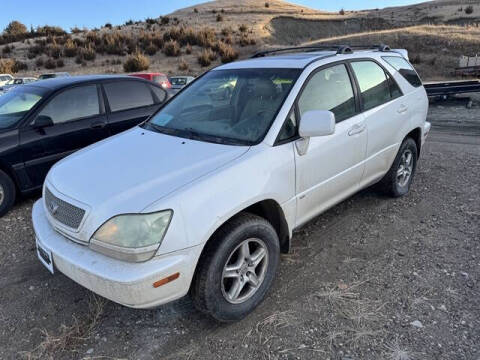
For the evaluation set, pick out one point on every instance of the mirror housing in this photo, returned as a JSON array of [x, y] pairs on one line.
[[42, 121], [317, 123]]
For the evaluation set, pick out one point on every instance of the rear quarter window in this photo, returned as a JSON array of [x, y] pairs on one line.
[[124, 95], [404, 68]]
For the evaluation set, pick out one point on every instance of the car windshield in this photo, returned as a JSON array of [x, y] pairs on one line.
[[234, 106], [16, 103]]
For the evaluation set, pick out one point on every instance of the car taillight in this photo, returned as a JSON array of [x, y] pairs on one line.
[[166, 84]]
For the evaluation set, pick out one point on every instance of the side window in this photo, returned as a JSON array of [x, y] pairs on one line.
[[329, 89], [404, 68], [395, 91], [373, 82], [289, 128], [123, 95], [72, 104]]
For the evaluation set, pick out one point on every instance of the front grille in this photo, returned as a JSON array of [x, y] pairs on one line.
[[62, 211]]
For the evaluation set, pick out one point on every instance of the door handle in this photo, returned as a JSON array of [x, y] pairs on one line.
[[356, 129], [402, 109], [98, 125]]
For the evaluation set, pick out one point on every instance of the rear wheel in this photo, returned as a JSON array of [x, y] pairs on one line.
[[237, 268], [7, 193], [400, 176]]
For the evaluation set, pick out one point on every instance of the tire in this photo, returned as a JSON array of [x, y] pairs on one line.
[[213, 290], [397, 185], [7, 193]]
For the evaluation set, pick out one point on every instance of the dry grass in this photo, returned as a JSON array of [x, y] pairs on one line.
[[69, 337], [396, 352], [428, 45]]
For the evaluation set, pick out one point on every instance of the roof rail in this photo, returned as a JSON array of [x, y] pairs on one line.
[[340, 49]]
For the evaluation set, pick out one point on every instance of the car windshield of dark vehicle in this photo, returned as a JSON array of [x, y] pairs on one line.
[[15, 104], [234, 106]]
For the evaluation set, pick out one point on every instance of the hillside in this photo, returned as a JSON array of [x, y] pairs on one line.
[[193, 39]]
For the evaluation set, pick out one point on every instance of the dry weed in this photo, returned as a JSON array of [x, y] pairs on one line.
[[69, 337]]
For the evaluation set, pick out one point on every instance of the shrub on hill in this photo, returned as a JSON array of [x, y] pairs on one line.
[[136, 62], [171, 48]]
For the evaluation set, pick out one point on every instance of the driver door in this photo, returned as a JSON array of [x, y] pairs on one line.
[[77, 120], [331, 167]]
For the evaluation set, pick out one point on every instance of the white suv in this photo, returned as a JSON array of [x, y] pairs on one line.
[[204, 196]]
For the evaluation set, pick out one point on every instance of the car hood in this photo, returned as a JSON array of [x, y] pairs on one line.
[[131, 170]]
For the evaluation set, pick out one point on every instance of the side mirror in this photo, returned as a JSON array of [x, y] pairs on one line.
[[42, 121], [317, 123]]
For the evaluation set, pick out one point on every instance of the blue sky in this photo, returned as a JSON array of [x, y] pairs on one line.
[[94, 13]]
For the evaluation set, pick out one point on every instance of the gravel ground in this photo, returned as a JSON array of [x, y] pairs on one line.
[[372, 278]]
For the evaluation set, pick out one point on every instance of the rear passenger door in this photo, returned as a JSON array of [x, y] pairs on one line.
[[129, 102], [386, 114]]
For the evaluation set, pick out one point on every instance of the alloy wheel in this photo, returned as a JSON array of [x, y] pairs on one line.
[[405, 168], [244, 271]]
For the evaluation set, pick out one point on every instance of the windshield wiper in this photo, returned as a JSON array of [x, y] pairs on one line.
[[192, 134]]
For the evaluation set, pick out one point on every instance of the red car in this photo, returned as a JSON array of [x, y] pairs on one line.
[[158, 78]]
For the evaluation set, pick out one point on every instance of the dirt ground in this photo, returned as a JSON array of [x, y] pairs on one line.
[[372, 278]]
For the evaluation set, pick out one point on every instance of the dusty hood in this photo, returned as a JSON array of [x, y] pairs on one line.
[[130, 171]]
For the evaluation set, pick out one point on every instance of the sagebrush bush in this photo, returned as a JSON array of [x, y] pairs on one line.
[[151, 49], [206, 57], [136, 62], [70, 49], [87, 53], [183, 65], [39, 62], [60, 63], [469, 10], [245, 40], [50, 63], [219, 17], [227, 53], [7, 66], [6, 50], [171, 48], [243, 28], [188, 49]]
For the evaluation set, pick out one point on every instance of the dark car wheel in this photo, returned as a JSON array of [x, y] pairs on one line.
[[400, 176], [237, 268], [7, 193]]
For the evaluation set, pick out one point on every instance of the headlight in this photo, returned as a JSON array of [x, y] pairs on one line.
[[132, 237]]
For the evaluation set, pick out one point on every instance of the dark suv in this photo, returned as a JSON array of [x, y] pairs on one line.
[[43, 122]]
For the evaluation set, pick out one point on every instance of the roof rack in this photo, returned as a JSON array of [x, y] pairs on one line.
[[339, 49]]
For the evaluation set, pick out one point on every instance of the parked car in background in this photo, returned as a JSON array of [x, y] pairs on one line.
[[42, 122], [158, 78], [16, 82], [179, 82], [202, 198], [53, 75], [4, 78]]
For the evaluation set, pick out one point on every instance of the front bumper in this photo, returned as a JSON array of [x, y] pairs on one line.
[[130, 284]]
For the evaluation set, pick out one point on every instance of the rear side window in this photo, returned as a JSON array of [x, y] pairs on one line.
[[376, 87], [72, 104], [329, 89], [404, 68], [124, 95]]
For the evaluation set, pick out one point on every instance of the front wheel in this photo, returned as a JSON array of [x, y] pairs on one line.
[[7, 193], [237, 268], [398, 179]]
